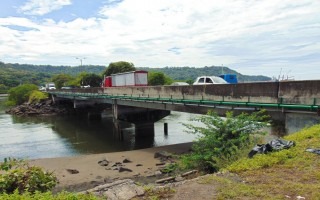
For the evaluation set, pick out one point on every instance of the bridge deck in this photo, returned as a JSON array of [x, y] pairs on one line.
[[189, 95]]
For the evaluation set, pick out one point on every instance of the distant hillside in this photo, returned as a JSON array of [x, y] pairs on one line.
[[58, 69], [12, 75], [185, 73]]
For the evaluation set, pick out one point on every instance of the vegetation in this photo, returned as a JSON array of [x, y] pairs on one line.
[[20, 94], [61, 80], [18, 175], [286, 174], [48, 196], [221, 140], [93, 80], [12, 75], [158, 193], [119, 67], [36, 96], [189, 74], [158, 78]]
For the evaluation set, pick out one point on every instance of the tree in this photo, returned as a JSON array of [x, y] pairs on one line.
[[158, 78], [61, 80], [119, 67], [20, 94], [221, 139], [93, 80]]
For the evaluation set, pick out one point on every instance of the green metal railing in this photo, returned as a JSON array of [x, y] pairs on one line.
[[190, 101]]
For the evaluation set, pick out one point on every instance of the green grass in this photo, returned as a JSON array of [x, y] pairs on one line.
[[48, 196], [277, 175]]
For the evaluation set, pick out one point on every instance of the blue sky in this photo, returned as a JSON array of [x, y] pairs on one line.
[[265, 37]]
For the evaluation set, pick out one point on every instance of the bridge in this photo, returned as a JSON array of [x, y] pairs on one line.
[[145, 105]]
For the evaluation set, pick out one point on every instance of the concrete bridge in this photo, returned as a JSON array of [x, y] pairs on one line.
[[145, 105]]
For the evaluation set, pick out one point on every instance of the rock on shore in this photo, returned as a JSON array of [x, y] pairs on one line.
[[43, 108]]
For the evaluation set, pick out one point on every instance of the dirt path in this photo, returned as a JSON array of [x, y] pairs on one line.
[[194, 190]]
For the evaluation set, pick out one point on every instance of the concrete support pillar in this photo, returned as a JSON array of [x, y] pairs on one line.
[[117, 132], [115, 109], [144, 129], [165, 128]]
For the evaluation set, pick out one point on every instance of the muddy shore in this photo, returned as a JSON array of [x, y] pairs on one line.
[[80, 173]]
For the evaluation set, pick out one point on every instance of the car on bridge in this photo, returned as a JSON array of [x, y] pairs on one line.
[[208, 80]]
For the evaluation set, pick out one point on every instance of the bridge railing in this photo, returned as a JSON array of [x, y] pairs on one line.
[[285, 95]]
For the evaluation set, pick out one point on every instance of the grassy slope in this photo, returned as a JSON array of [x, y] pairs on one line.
[[286, 174]]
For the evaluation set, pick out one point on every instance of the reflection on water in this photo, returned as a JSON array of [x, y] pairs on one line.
[[59, 136]]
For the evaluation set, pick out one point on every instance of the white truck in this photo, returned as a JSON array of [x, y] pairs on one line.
[[50, 86]]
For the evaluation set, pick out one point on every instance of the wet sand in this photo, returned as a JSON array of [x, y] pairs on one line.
[[91, 173]]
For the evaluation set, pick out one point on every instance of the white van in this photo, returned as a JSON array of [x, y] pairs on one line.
[[207, 80]]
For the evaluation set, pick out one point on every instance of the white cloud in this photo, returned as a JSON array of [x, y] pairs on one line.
[[42, 7], [254, 37]]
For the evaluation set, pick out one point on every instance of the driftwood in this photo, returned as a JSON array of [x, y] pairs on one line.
[[165, 179], [188, 173]]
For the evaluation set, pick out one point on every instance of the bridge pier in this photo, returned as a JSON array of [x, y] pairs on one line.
[[142, 118]]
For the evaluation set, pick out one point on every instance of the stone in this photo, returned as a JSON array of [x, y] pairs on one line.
[[162, 155], [138, 174], [73, 171], [103, 162], [157, 173], [123, 169], [126, 161], [139, 165], [159, 164], [118, 190], [179, 178]]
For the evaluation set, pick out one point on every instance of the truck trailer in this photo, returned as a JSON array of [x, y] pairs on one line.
[[133, 78]]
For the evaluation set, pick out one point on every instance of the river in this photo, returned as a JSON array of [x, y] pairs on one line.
[[60, 136]]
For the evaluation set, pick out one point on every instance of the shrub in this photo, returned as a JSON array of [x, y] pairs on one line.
[[222, 139], [20, 94], [18, 175], [37, 96]]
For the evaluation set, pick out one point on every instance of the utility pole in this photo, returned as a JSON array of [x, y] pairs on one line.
[[81, 59]]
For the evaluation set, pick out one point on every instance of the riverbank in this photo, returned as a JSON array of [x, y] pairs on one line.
[[80, 173]]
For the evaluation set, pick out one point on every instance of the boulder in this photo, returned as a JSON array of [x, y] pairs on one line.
[[118, 190]]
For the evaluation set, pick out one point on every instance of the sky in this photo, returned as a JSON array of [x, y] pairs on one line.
[[254, 37]]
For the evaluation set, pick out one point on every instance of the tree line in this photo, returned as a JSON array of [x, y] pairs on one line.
[[12, 75]]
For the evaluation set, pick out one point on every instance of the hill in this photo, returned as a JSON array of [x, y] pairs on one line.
[[12, 75], [185, 73]]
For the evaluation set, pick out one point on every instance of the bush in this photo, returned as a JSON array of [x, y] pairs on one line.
[[36, 96], [18, 176], [221, 140], [47, 196], [20, 94]]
